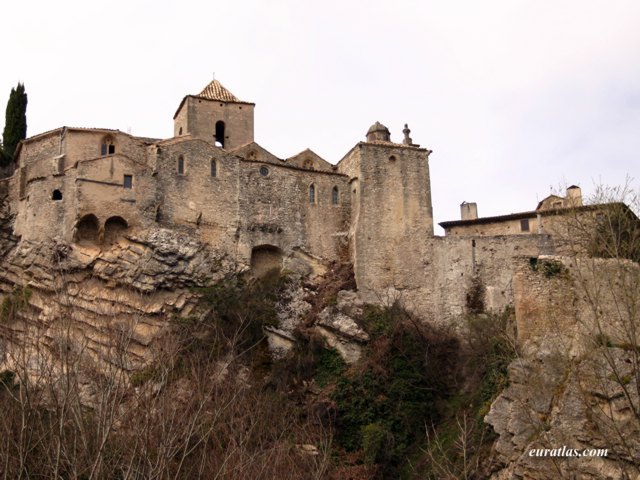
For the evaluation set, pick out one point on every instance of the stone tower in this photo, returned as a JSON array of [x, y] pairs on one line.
[[392, 215], [217, 116]]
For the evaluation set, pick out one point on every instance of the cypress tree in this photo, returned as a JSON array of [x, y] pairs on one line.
[[15, 126]]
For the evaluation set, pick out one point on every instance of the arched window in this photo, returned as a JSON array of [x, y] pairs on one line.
[[180, 131], [335, 196], [87, 228], [214, 168], [108, 146], [312, 193], [57, 195], [114, 228], [180, 165], [220, 133]]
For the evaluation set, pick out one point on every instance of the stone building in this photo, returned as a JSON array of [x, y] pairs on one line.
[[213, 182], [548, 215]]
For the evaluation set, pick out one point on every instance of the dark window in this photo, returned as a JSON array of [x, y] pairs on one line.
[[181, 165], [128, 181], [524, 225], [57, 195], [335, 197], [264, 171], [312, 194], [180, 132], [214, 168], [107, 147], [220, 133]]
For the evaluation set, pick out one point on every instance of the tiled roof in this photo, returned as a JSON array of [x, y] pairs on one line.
[[215, 91]]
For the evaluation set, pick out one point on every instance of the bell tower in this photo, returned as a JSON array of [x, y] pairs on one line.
[[215, 115]]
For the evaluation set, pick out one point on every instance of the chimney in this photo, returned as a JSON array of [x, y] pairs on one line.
[[468, 211], [574, 196]]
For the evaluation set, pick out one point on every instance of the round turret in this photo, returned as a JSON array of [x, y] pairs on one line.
[[378, 132]]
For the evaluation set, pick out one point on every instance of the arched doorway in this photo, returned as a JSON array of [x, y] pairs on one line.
[[87, 229], [265, 258], [114, 229]]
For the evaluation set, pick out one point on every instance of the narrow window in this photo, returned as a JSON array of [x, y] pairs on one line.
[[335, 196], [57, 195], [220, 133], [312, 194], [214, 168], [180, 165], [128, 181], [524, 225], [180, 132], [108, 146]]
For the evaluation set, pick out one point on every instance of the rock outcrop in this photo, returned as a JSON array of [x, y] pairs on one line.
[[572, 408], [132, 288]]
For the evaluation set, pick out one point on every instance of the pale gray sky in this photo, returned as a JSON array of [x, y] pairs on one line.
[[512, 96]]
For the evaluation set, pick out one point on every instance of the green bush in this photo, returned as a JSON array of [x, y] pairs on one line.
[[14, 302], [7, 379], [396, 388], [329, 367], [375, 440], [238, 313]]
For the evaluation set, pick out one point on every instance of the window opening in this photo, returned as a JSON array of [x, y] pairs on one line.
[[128, 181], [220, 133], [57, 195], [107, 147], [264, 171], [214, 168], [335, 196], [524, 225], [180, 165], [312, 194]]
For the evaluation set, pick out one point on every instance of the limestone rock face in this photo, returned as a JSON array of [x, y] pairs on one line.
[[340, 330], [575, 385], [291, 309], [552, 403], [94, 297]]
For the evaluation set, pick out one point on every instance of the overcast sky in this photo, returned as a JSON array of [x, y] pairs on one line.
[[513, 97]]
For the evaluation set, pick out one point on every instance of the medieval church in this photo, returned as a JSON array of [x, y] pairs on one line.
[[211, 180]]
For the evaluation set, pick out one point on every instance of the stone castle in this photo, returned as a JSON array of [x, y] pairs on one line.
[[104, 235], [212, 181]]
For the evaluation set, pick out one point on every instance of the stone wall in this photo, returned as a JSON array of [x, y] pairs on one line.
[[206, 205], [506, 227], [202, 115], [276, 209], [100, 190], [452, 267], [82, 145], [393, 217]]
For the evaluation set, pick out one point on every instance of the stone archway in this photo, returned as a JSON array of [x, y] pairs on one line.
[[114, 229], [265, 258], [87, 229]]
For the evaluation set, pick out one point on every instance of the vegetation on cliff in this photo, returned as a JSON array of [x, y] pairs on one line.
[[214, 402], [15, 127]]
